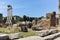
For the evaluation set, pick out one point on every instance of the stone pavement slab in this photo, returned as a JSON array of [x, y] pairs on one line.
[[32, 38]]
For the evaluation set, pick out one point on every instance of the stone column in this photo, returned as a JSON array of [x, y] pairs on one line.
[[59, 12], [9, 15]]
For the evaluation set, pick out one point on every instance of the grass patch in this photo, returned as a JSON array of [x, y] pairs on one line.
[[27, 34], [8, 30]]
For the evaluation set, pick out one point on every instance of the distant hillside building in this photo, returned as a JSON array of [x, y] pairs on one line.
[[16, 17]]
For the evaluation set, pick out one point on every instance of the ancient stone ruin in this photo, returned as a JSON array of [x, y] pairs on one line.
[[52, 17], [49, 21]]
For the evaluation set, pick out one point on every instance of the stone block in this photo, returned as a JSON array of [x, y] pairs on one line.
[[53, 31], [4, 37], [15, 36], [46, 32], [42, 33], [36, 28], [57, 38], [53, 36], [32, 38], [24, 29]]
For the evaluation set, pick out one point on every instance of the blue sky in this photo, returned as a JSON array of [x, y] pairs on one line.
[[33, 8]]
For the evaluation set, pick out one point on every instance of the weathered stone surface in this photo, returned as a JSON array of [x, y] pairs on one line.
[[24, 29], [52, 31], [9, 15], [57, 38], [53, 36], [42, 33], [46, 32], [52, 17], [32, 38], [49, 37], [4, 37], [36, 28], [15, 36]]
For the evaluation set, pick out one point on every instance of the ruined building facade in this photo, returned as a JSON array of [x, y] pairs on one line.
[[52, 17], [49, 21]]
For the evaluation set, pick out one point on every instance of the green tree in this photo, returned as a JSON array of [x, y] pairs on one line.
[[24, 18], [5, 19], [41, 17]]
